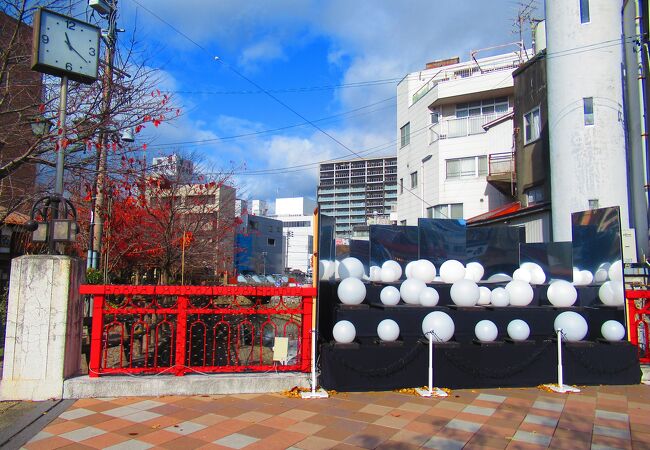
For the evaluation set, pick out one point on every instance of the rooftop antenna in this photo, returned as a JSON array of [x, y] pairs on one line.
[[524, 18]]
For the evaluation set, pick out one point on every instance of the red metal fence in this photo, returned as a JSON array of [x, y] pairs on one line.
[[198, 329], [638, 310]]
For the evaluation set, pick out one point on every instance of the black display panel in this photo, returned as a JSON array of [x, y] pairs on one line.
[[360, 249], [326, 242], [441, 240], [496, 248], [555, 258], [596, 238], [392, 242]]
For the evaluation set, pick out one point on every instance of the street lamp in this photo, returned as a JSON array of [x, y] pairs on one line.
[[425, 159], [53, 220], [288, 235]]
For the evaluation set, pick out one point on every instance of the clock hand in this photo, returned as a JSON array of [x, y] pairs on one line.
[[67, 41]]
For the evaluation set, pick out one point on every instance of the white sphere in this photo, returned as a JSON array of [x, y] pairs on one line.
[[577, 277], [375, 273], [499, 277], [612, 293], [394, 266], [351, 267], [429, 297], [586, 277], [410, 291], [407, 269], [452, 271], [336, 270], [522, 274], [573, 325], [601, 275], [537, 275], [612, 330], [344, 332], [518, 330], [325, 269], [615, 271], [389, 275], [562, 294], [440, 324], [351, 291], [486, 331], [423, 270], [388, 330], [484, 296], [520, 293], [474, 271], [464, 293], [499, 297], [389, 295]]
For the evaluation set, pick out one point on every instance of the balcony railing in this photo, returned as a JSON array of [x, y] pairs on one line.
[[464, 126], [501, 164]]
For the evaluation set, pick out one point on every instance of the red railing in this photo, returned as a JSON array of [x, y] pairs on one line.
[[198, 329], [638, 316]]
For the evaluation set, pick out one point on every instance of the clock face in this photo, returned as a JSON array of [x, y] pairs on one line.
[[65, 46]]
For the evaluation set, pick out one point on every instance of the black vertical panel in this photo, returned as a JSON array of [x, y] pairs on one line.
[[596, 238], [361, 250], [392, 242], [496, 248], [554, 257], [441, 240]]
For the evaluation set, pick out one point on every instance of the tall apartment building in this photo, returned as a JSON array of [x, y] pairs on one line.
[[297, 215], [454, 123], [354, 190]]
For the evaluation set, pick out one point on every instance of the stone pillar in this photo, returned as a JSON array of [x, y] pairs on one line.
[[44, 325]]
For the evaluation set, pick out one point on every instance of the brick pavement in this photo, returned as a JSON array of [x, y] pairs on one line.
[[600, 417]]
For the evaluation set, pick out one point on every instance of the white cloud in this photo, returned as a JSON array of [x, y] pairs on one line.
[[260, 52]]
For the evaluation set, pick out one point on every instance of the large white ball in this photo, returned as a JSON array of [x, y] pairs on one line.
[[410, 291], [616, 271], [586, 277], [464, 293], [520, 293], [351, 291], [577, 277], [486, 331], [562, 294], [573, 325], [474, 271], [389, 295], [351, 267], [499, 297], [326, 269], [601, 275], [522, 274], [375, 273], [407, 269], [484, 296], [394, 266], [612, 293], [344, 332], [612, 330], [440, 324], [388, 330], [389, 275], [429, 297], [452, 271], [537, 275], [423, 270], [518, 330]]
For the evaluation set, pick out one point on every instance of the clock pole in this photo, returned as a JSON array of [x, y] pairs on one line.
[[60, 157]]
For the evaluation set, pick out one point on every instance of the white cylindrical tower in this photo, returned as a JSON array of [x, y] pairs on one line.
[[585, 109]]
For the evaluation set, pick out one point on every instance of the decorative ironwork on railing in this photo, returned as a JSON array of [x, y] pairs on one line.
[[638, 316], [200, 329], [501, 163]]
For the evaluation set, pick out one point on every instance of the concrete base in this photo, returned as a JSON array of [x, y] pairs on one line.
[[44, 322], [159, 385]]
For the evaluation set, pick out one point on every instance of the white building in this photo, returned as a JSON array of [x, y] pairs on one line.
[[444, 146], [297, 216], [173, 166], [258, 208]]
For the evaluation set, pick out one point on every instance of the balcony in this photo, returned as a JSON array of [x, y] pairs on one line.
[[501, 172], [465, 126]]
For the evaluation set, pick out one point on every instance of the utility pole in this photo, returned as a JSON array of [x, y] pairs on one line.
[[100, 185]]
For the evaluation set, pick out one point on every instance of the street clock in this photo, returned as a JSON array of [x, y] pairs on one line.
[[65, 46]]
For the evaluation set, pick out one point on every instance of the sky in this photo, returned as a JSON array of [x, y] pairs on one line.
[[269, 89]]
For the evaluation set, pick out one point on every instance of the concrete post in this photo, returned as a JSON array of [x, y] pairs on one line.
[[44, 325]]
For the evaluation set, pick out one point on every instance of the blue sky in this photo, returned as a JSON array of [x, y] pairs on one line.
[[334, 60]]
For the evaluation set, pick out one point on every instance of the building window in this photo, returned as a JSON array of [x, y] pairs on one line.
[[414, 180], [532, 126], [482, 107], [401, 185], [405, 135], [588, 105], [448, 211], [472, 167], [270, 242], [584, 11]]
